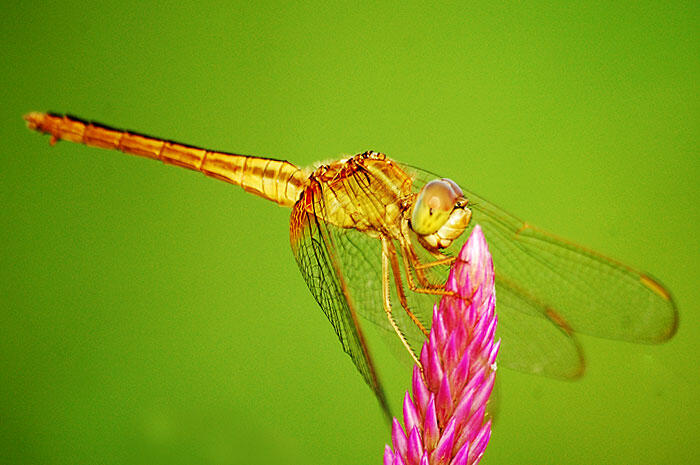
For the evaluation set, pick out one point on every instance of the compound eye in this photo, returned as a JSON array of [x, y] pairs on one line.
[[434, 204]]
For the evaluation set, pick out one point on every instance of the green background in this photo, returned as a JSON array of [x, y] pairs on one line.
[[151, 315]]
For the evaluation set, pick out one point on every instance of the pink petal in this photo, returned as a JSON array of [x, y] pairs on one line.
[[462, 456], [461, 335], [421, 395], [491, 329], [476, 379], [434, 373], [490, 306], [445, 312], [478, 446], [424, 356], [398, 438], [482, 394], [494, 352], [439, 329], [411, 418], [461, 372], [480, 333], [388, 455], [454, 281], [443, 401], [451, 354], [475, 422], [462, 413], [415, 447], [431, 431], [443, 451]]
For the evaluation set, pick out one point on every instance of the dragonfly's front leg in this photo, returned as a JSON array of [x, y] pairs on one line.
[[412, 263], [389, 259], [444, 260]]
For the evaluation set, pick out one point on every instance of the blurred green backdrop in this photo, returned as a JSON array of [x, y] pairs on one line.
[[151, 315]]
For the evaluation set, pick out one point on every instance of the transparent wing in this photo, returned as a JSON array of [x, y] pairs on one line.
[[543, 278], [316, 254], [594, 294], [360, 258], [549, 349]]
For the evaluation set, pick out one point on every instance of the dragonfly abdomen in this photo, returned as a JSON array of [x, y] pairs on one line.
[[276, 180]]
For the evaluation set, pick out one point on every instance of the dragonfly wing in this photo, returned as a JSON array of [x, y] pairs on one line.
[[567, 287], [579, 289], [360, 258], [316, 254], [533, 344]]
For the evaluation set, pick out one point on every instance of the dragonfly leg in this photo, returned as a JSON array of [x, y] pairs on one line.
[[442, 261], [387, 299], [410, 261], [389, 249]]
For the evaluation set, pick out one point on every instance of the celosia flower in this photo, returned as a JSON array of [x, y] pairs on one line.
[[445, 420]]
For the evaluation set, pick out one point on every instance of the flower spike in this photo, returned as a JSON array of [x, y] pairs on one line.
[[445, 419]]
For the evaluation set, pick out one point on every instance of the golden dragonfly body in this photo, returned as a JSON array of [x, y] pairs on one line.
[[371, 234]]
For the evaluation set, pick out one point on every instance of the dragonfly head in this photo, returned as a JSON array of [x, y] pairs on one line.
[[440, 213]]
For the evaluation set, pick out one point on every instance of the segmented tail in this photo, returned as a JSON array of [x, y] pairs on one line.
[[276, 180]]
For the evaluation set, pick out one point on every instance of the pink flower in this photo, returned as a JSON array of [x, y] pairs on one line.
[[445, 420]]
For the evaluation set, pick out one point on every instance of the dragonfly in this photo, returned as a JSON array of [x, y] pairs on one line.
[[374, 239]]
